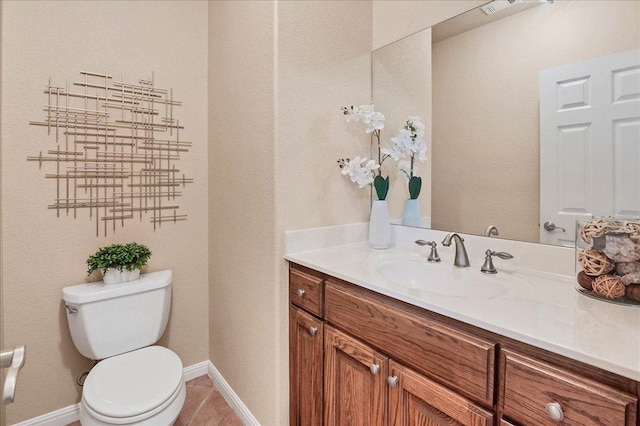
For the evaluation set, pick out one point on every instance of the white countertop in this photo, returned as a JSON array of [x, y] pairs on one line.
[[537, 308]]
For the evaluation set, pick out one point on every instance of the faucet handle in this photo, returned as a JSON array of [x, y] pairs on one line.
[[433, 256], [488, 267], [502, 255]]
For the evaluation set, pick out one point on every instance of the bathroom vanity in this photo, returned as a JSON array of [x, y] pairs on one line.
[[364, 354]]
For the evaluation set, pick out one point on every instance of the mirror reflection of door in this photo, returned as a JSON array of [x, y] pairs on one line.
[[589, 143]]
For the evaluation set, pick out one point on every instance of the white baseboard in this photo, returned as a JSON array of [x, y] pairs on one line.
[[60, 417], [241, 410], [71, 413], [196, 370]]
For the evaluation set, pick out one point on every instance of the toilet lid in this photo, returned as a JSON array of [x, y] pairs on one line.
[[133, 383]]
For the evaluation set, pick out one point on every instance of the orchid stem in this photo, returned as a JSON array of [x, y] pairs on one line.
[[377, 134]]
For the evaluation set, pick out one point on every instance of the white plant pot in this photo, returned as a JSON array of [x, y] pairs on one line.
[[411, 214], [114, 276], [379, 227]]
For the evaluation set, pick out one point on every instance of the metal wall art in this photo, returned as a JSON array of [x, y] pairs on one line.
[[116, 149]]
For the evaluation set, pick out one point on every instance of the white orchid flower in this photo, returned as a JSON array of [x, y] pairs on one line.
[[395, 151], [360, 170], [374, 122], [365, 113], [420, 146], [416, 123]]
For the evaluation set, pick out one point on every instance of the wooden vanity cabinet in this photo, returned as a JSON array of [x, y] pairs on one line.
[[459, 360], [306, 347], [364, 387], [361, 358]]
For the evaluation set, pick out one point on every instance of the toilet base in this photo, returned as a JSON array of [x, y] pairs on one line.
[[165, 417]]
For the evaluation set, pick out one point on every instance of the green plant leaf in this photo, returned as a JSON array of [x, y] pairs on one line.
[[415, 184], [128, 257], [382, 186]]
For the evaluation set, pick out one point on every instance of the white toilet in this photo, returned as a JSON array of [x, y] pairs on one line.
[[134, 384]]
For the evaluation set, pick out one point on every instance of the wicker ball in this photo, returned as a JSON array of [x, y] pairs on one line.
[[595, 263], [608, 286], [585, 280], [633, 292], [633, 228], [596, 227]]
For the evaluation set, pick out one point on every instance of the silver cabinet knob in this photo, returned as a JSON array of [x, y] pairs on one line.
[[301, 292], [554, 410], [375, 368], [550, 226], [313, 330], [393, 381]]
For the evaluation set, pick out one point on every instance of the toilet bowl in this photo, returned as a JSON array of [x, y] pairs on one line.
[[142, 387], [135, 383]]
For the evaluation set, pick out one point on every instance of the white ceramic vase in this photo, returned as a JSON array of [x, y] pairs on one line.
[[379, 227], [114, 276], [411, 214]]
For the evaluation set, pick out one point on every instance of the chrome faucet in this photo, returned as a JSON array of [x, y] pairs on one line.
[[491, 230], [461, 259]]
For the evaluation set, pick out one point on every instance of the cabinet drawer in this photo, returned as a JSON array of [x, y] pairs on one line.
[[529, 385], [453, 358], [306, 291]]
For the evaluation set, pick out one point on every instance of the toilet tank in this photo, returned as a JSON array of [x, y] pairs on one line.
[[110, 319]]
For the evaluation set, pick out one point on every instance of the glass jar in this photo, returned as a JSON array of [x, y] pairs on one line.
[[608, 259]]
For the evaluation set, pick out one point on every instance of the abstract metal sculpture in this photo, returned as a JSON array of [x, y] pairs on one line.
[[117, 145]]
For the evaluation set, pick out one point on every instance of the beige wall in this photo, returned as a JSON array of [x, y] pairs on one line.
[[3, 407], [324, 51], [42, 253], [485, 108], [242, 307], [395, 19], [275, 116]]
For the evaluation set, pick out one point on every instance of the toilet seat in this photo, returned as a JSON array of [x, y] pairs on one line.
[[134, 386]]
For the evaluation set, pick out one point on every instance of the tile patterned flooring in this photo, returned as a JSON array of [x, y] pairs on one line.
[[203, 406]]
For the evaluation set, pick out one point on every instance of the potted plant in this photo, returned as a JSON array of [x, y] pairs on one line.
[[119, 263], [406, 147], [366, 172]]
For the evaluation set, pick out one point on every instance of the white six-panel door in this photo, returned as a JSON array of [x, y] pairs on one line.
[[589, 143]]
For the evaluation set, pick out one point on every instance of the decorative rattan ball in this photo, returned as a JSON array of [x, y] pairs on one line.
[[595, 263], [633, 292], [596, 227], [633, 228], [585, 280], [608, 286]]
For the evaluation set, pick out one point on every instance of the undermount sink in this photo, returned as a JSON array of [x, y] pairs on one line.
[[442, 279]]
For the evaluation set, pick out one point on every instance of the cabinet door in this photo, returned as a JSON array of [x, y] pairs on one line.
[[461, 361], [305, 364], [416, 400], [355, 382]]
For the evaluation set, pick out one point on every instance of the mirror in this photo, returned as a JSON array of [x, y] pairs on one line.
[[474, 79]]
